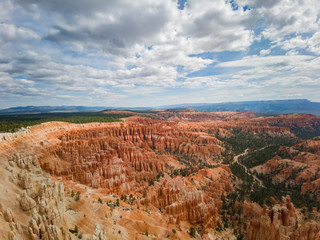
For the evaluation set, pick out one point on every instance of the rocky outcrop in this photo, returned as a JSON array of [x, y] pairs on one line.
[[270, 223], [172, 169], [98, 234], [278, 222], [8, 215], [27, 162], [113, 157], [25, 180], [26, 202], [196, 199], [195, 116], [297, 166], [42, 198], [293, 121], [309, 230]]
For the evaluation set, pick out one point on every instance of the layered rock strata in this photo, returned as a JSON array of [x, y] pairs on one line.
[[115, 158], [296, 166]]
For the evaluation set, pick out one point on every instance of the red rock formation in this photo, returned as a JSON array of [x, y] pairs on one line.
[[125, 158], [309, 230], [293, 120], [270, 223], [112, 157], [298, 165], [196, 199], [278, 222]]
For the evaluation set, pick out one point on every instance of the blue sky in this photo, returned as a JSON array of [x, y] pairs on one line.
[[152, 53]]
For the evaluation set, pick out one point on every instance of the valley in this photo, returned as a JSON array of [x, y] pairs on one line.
[[173, 174]]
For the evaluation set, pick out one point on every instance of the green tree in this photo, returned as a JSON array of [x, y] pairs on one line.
[[192, 232], [151, 182], [77, 198]]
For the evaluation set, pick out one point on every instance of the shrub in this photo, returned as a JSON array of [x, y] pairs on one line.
[[192, 232], [75, 230], [151, 182], [77, 198]]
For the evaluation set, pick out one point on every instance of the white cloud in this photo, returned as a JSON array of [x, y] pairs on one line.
[[310, 44], [216, 27], [270, 62], [264, 52], [284, 17], [9, 33], [129, 50]]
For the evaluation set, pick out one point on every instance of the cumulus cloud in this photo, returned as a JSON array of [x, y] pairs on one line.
[[310, 44], [284, 17], [264, 52], [100, 52], [216, 27], [9, 33], [276, 74], [117, 26]]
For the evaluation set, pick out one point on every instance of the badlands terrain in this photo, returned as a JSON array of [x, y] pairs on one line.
[[176, 174]]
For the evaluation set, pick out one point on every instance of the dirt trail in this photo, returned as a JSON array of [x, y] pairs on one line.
[[236, 159]]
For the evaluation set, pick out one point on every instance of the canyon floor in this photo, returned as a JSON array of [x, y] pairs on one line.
[[177, 174]]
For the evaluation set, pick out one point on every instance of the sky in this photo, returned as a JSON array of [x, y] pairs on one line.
[[125, 53]]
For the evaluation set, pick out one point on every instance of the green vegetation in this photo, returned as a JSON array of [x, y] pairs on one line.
[[12, 123], [227, 154], [260, 148], [240, 141], [306, 132], [77, 197], [131, 199], [262, 196], [151, 182], [75, 230], [279, 190], [241, 173], [123, 197], [219, 227], [159, 175], [261, 156], [192, 232], [183, 171]]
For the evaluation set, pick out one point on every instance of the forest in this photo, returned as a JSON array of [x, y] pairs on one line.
[[12, 123]]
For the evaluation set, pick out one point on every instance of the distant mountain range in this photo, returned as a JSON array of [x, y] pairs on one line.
[[48, 109], [263, 107], [272, 107]]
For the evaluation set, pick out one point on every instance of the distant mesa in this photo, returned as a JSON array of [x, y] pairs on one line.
[[270, 107]]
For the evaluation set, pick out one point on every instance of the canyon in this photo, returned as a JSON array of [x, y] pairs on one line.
[[163, 175]]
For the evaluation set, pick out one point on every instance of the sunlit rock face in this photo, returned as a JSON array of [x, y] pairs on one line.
[[173, 169], [296, 166], [279, 221], [123, 159], [118, 158], [270, 223]]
